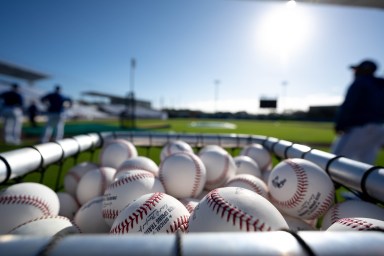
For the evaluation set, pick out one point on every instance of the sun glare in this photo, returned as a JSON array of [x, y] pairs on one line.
[[284, 30]]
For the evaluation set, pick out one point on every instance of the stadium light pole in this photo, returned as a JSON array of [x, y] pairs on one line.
[[132, 93], [132, 76], [216, 93]]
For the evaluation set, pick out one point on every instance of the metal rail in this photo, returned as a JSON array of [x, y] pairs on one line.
[[360, 177]]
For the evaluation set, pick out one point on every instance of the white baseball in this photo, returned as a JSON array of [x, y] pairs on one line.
[[246, 165], [139, 163], [125, 190], [116, 151], [233, 209], [220, 167], [357, 224], [46, 226], [68, 205], [23, 202], [250, 182], [296, 224], [94, 183], [189, 203], [351, 209], [73, 176], [301, 189], [150, 214], [259, 154], [89, 217], [183, 174], [173, 147], [210, 147]]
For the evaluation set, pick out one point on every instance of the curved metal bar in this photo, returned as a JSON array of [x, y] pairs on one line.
[[50, 153], [257, 243], [30, 161], [341, 170]]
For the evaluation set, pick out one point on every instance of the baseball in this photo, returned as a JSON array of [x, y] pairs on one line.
[[233, 209], [300, 188], [296, 224], [23, 202], [68, 205], [116, 151], [46, 226], [89, 217], [259, 154], [357, 224], [125, 190], [73, 176], [220, 167], [250, 182], [351, 209], [246, 165], [94, 183], [210, 147], [190, 203], [173, 147], [139, 163], [150, 214], [183, 174]]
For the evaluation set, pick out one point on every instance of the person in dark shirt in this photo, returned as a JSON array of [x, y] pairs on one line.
[[12, 105], [359, 123], [56, 104], [32, 113]]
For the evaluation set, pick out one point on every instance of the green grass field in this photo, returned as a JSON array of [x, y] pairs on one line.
[[314, 134]]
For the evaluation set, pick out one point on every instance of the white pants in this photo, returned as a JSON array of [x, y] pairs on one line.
[[55, 122], [13, 119], [361, 143]]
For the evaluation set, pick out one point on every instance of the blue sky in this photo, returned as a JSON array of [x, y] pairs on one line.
[[212, 55]]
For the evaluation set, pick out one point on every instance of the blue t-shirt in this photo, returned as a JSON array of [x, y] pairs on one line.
[[12, 99], [55, 102], [363, 104]]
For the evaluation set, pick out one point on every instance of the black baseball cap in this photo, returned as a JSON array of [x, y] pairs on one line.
[[366, 65]]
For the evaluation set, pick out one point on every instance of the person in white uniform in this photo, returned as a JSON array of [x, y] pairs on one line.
[[12, 112], [359, 122], [56, 103]]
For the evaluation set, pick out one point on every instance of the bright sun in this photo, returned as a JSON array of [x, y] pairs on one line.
[[284, 30]]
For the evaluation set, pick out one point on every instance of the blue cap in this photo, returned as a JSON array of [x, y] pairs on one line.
[[366, 65]]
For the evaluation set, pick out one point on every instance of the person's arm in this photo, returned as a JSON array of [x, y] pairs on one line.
[[348, 108]]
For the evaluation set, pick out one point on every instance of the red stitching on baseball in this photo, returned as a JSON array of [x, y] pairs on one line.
[[133, 167], [196, 180], [252, 184], [128, 222], [130, 178], [302, 186], [42, 218], [323, 207], [355, 223], [110, 213], [232, 214], [335, 216], [168, 151], [74, 175], [27, 199], [180, 223]]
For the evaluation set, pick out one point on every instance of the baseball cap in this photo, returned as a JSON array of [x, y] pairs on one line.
[[366, 65]]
